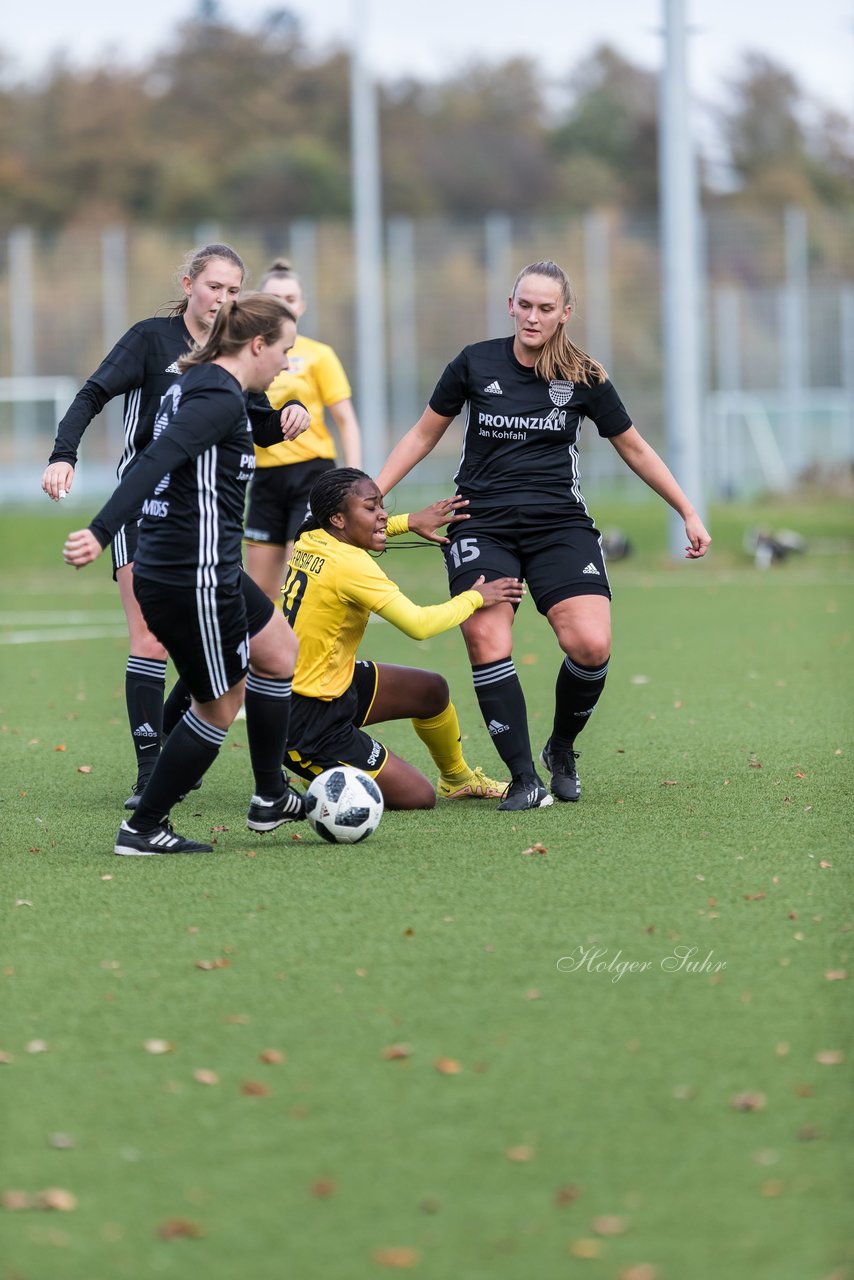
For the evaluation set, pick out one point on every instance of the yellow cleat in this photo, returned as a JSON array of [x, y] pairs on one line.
[[474, 786]]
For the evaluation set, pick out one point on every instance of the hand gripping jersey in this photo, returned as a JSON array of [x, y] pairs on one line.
[[191, 483], [520, 441], [141, 367], [316, 377], [331, 590]]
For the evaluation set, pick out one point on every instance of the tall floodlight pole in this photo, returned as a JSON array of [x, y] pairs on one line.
[[368, 247], [680, 253]]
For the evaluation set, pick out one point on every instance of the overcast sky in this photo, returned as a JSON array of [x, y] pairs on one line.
[[815, 41]]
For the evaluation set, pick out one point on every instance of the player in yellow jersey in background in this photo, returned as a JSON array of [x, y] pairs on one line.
[[284, 474], [332, 588]]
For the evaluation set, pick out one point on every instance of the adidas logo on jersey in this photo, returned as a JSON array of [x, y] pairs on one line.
[[172, 368], [145, 731], [591, 568], [494, 389], [495, 727]]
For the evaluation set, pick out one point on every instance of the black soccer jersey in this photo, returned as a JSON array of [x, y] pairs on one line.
[[520, 438], [141, 367], [190, 483]]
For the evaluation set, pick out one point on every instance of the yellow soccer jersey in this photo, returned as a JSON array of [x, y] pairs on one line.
[[331, 590], [317, 378]]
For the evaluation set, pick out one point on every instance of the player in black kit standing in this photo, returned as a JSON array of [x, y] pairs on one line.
[[190, 484], [141, 367], [527, 396]]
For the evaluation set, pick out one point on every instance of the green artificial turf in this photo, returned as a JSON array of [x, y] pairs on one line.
[[573, 1042]]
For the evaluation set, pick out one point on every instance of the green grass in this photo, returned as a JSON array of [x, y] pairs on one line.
[[715, 788]]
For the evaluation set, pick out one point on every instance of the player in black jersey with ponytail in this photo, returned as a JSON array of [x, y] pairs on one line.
[[141, 367], [527, 396], [190, 484]]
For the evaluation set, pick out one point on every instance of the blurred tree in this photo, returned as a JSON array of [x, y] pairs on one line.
[[610, 133], [250, 123]]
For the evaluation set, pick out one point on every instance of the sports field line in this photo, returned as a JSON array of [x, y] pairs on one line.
[[56, 635]]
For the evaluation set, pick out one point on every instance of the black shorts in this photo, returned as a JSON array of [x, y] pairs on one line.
[[123, 546], [558, 557], [278, 500], [325, 734], [259, 606], [204, 631]]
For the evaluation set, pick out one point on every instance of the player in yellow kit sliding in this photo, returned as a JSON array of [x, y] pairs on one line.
[[332, 588]]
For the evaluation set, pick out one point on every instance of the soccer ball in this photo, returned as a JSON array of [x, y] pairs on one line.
[[343, 805]]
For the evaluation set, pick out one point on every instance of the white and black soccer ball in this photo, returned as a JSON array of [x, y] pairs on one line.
[[343, 805]]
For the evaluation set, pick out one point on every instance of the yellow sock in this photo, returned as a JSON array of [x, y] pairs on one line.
[[441, 737]]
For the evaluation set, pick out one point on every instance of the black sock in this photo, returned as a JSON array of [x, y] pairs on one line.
[[268, 714], [191, 750], [175, 705], [145, 682], [577, 691], [502, 705]]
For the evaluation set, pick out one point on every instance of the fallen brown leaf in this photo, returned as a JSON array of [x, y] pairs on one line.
[[748, 1102], [567, 1194], [394, 1052], [397, 1256], [639, 1271], [323, 1188], [56, 1198], [830, 1057], [754, 897], [15, 1201], [825, 865], [448, 1066], [84, 768], [254, 1089], [158, 1046], [61, 1141], [37, 1046], [534, 848], [809, 1133], [773, 1187], [219, 963], [180, 1229], [203, 1076], [520, 1155], [836, 975], [609, 1225], [60, 746], [272, 1056]]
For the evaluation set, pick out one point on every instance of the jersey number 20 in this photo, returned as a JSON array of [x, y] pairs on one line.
[[293, 592]]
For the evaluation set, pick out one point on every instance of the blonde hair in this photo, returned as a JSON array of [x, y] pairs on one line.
[[281, 269], [238, 322], [195, 263], [560, 358]]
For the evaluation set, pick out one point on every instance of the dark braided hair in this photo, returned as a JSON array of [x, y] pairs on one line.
[[328, 495]]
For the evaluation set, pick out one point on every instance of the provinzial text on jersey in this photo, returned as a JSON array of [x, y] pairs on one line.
[[556, 421]]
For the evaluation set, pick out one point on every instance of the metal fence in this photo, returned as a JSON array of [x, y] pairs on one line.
[[778, 328]]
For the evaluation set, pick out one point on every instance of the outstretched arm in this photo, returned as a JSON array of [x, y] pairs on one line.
[[414, 446], [344, 417], [646, 463]]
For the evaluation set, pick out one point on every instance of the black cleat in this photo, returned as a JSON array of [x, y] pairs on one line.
[[266, 815], [566, 784], [526, 793], [132, 801], [139, 786], [157, 840]]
